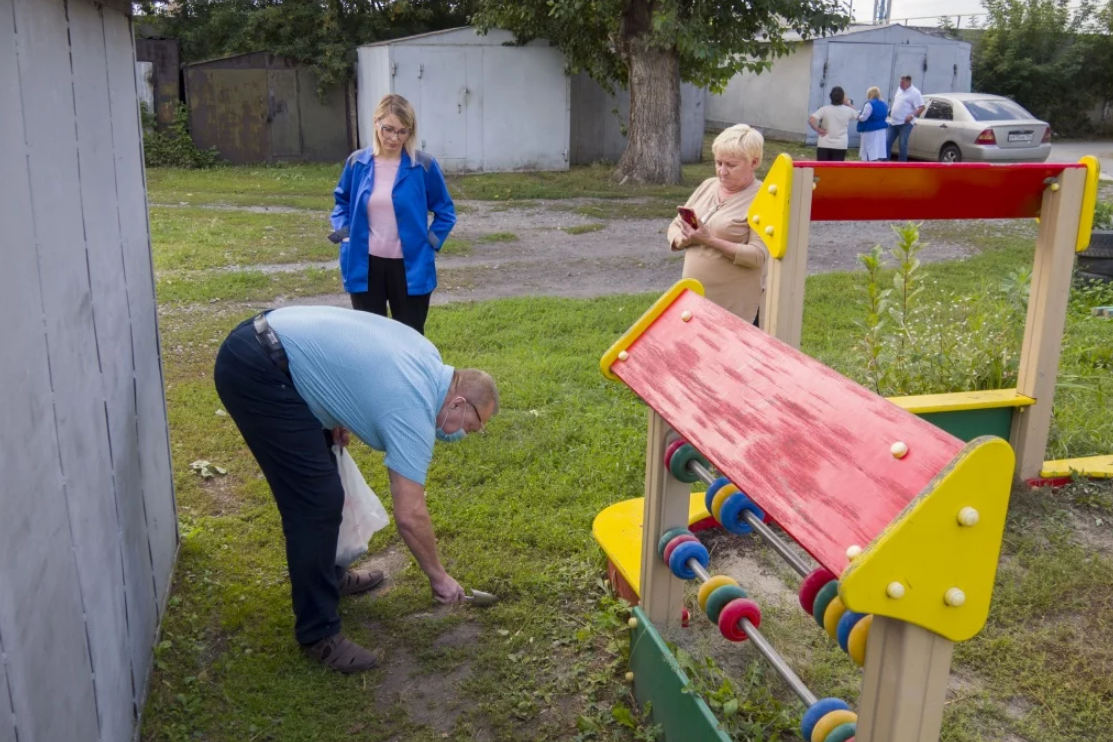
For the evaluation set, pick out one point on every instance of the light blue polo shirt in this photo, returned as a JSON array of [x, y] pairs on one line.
[[380, 379]]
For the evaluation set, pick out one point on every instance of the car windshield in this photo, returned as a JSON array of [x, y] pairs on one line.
[[995, 110]]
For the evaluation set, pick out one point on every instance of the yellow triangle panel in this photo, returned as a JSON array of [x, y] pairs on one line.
[[935, 565], [769, 215]]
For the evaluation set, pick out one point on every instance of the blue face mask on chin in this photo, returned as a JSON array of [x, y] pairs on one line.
[[450, 437], [454, 436]]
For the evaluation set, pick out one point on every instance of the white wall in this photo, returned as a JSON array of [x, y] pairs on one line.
[[372, 83], [88, 531], [776, 101], [780, 100], [480, 105]]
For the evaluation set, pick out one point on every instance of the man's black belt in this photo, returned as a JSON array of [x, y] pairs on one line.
[[271, 344]]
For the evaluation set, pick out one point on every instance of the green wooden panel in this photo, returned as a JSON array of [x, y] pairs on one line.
[[659, 681], [967, 425]]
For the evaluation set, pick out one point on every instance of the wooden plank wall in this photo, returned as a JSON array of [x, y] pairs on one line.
[[88, 532]]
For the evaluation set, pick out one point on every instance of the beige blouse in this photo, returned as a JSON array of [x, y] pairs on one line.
[[736, 285]]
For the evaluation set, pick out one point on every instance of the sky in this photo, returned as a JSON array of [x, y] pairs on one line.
[[916, 8]]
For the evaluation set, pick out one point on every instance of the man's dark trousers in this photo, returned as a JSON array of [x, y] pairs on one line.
[[296, 458]]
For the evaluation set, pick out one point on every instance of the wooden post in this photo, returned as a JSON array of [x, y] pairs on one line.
[[905, 683], [783, 310], [666, 506], [1047, 312]]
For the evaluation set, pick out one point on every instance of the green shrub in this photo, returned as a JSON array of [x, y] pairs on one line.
[[1103, 215], [956, 343], [174, 147]]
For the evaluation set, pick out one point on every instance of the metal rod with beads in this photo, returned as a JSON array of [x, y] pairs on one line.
[[738, 514], [738, 618]]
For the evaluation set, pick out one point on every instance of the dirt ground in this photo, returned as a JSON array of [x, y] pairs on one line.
[[623, 256]]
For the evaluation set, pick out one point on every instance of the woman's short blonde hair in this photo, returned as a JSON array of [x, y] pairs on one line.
[[872, 93], [394, 104], [740, 140]]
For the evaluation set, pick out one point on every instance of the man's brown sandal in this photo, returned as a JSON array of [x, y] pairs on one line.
[[343, 655], [360, 581]]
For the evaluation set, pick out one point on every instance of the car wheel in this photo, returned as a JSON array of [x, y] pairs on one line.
[[950, 153], [1101, 245], [1101, 266]]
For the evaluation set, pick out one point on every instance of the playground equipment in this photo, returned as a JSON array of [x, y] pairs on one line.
[[1061, 196], [903, 519]]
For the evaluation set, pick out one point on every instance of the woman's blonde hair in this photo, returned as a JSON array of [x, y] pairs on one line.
[[740, 140], [874, 92], [396, 105]]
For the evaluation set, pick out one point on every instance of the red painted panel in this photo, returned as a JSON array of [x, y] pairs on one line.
[[875, 191], [808, 445]]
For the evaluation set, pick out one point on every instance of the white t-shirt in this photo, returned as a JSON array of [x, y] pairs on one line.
[[905, 103], [836, 120]]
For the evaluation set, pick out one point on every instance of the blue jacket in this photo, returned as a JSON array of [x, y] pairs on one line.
[[878, 113], [418, 189]]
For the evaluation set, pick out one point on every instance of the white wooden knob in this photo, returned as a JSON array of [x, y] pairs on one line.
[[757, 218], [852, 552], [623, 355], [895, 590], [955, 598], [968, 517], [899, 449], [773, 190], [632, 623], [629, 677], [1054, 187], [686, 315], [769, 231]]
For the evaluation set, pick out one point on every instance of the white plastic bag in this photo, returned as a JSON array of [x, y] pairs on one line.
[[363, 513]]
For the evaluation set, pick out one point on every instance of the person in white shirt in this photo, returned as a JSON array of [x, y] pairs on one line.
[[907, 105], [832, 123]]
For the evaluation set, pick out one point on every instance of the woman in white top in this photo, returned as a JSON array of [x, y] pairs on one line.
[[832, 123]]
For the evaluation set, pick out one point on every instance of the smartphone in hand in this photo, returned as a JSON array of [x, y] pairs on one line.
[[688, 215]]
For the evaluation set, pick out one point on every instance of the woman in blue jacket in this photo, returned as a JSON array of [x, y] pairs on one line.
[[872, 126], [383, 202]]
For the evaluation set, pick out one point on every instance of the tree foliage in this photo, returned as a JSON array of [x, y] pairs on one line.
[[321, 33], [649, 46], [713, 39], [1053, 58]]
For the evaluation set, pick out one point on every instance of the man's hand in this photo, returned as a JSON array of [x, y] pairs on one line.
[[341, 437], [446, 590]]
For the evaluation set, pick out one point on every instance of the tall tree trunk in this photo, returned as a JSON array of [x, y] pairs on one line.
[[653, 146]]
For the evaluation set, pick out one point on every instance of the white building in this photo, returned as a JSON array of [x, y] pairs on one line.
[[779, 100], [484, 104]]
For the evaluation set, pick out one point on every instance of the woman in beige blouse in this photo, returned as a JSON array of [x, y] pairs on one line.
[[722, 253]]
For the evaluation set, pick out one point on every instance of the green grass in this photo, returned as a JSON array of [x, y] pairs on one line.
[[310, 186], [652, 208], [584, 228], [456, 247], [513, 513], [498, 237], [190, 287], [197, 238], [307, 186]]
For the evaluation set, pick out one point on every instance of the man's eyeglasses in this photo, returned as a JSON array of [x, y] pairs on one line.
[[390, 131]]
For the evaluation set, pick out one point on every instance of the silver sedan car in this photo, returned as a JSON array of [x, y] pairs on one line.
[[975, 127]]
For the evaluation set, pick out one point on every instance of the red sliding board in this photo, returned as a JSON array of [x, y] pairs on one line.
[[808, 445], [864, 191]]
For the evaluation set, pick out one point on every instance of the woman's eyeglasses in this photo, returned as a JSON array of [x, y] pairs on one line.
[[390, 131]]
